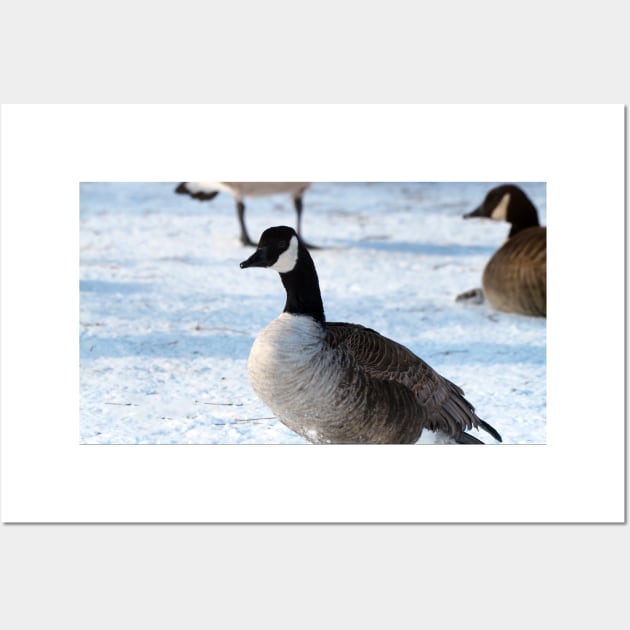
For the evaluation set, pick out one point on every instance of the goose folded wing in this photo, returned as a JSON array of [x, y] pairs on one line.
[[446, 408]]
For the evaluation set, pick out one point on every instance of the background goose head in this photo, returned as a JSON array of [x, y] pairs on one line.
[[508, 203]]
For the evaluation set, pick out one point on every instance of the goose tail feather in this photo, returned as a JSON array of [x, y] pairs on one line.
[[466, 438], [489, 429]]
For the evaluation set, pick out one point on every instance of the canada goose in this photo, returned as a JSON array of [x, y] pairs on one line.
[[240, 190], [515, 278], [339, 382]]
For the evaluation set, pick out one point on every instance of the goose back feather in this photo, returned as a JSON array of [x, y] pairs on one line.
[[515, 278]]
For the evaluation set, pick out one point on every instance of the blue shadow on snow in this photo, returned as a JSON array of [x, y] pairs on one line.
[[166, 345]]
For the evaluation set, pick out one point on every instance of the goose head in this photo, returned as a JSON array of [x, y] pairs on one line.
[[507, 203], [278, 249]]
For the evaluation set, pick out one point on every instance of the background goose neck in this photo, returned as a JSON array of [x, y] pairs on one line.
[[524, 214]]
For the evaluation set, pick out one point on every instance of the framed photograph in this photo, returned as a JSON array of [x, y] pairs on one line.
[[133, 298]]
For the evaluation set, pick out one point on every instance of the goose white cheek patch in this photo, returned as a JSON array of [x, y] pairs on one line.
[[500, 212], [286, 261]]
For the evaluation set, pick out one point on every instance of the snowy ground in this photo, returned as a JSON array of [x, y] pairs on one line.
[[168, 318]]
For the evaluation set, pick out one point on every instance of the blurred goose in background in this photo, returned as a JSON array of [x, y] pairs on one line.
[[240, 190], [343, 383], [515, 277]]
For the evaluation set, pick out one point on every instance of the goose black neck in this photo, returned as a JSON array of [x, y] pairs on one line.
[[302, 287], [524, 215]]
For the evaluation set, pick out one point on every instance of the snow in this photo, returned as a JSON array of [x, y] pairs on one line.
[[167, 317]]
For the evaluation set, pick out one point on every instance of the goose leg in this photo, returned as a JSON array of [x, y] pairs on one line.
[[240, 210], [298, 209]]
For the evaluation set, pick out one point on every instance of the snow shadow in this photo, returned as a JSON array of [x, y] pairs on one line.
[[164, 345], [428, 249], [107, 286], [487, 353]]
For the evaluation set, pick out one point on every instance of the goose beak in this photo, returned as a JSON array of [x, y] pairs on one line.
[[257, 259], [475, 213]]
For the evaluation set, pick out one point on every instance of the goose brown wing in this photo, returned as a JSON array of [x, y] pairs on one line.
[[517, 273], [442, 402]]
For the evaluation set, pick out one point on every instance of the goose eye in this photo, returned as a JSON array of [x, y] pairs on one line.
[[282, 245]]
